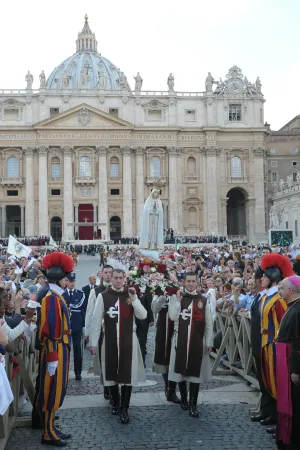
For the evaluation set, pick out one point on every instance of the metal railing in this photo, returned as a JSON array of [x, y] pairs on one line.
[[21, 369]]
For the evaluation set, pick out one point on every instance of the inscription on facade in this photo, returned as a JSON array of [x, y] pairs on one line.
[[86, 192]]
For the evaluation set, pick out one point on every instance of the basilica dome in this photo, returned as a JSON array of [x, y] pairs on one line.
[[87, 69]]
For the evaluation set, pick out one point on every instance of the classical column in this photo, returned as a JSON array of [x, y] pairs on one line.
[[22, 220], [3, 221], [43, 191], [95, 218], [251, 219], [180, 223], [139, 186], [68, 194], [212, 191], [29, 192], [76, 219], [224, 216], [103, 191], [127, 193], [259, 189], [173, 201]]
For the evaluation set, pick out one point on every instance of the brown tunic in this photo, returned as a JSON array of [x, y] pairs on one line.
[[118, 325], [191, 329], [163, 338]]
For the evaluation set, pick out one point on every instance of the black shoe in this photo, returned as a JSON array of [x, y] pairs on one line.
[[258, 418], [78, 377], [114, 395], [172, 397], [125, 401], [271, 430], [193, 412], [183, 395], [171, 393], [65, 436], [194, 391], [268, 421], [59, 443], [106, 393], [124, 416]]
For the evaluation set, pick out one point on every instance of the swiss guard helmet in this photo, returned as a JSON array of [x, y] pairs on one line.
[[56, 266], [276, 267]]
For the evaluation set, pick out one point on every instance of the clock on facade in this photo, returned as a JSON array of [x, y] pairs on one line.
[[235, 86]]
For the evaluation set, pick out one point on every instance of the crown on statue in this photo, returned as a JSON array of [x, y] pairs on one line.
[[158, 184]]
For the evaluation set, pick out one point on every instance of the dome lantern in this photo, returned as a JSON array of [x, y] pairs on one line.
[[86, 39]]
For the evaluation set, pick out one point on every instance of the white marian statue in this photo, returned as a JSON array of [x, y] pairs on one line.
[[152, 231], [29, 80]]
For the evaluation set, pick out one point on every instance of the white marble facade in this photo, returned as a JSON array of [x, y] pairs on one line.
[[84, 137]]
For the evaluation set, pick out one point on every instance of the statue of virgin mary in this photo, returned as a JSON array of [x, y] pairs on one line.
[[152, 230]]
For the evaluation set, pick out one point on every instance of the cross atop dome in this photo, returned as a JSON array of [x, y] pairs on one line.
[[86, 39]]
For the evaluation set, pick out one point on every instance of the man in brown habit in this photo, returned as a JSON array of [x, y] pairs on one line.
[[120, 351], [192, 341]]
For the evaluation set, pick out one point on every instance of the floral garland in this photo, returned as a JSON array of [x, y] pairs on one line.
[[148, 279]]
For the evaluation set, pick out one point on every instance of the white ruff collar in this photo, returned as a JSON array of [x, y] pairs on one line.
[[117, 290], [191, 293]]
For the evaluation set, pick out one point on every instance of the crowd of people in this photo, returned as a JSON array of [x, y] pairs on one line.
[[129, 293]]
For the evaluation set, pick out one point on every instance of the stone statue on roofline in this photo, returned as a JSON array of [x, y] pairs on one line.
[[29, 80]]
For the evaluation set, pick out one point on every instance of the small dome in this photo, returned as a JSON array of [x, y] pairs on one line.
[[87, 69]]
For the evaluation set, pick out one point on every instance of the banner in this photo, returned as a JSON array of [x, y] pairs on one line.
[[16, 248], [52, 242]]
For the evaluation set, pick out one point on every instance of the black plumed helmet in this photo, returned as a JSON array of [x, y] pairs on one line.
[[274, 274]]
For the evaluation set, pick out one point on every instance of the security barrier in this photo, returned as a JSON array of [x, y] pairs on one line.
[[21, 369]]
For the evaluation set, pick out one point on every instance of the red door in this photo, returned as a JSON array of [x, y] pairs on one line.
[[86, 215]]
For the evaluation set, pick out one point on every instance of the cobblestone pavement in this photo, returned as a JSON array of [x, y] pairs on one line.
[[155, 428], [221, 425]]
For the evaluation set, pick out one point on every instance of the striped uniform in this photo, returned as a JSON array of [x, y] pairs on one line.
[[272, 310], [54, 337]]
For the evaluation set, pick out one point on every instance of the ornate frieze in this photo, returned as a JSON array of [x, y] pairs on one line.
[[258, 152]]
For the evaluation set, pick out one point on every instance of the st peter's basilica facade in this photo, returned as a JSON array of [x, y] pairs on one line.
[[85, 149]]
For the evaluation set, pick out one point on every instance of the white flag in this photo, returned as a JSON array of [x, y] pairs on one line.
[[52, 242], [16, 248]]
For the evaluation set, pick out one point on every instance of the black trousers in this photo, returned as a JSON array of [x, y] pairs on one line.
[[268, 405], [142, 327], [77, 351]]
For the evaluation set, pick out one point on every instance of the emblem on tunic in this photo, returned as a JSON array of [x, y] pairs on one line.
[[129, 302], [200, 304]]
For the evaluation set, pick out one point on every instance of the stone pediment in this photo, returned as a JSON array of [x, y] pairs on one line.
[[83, 117]]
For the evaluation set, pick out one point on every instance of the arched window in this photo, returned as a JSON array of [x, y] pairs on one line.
[[191, 166], [114, 167], [192, 216], [85, 166], [155, 167], [13, 170], [55, 167], [236, 167]]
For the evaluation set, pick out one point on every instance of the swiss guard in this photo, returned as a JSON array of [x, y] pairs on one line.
[[76, 303], [54, 335]]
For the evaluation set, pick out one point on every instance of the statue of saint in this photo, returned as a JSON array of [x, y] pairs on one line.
[[289, 180], [42, 80], [65, 79], [258, 85], [209, 82], [83, 78], [138, 82], [170, 82], [274, 217], [122, 80], [101, 80], [152, 231], [29, 80], [298, 177]]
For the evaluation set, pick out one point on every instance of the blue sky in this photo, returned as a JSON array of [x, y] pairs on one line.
[[189, 38]]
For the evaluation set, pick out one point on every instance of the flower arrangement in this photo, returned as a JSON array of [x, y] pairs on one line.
[[152, 278]]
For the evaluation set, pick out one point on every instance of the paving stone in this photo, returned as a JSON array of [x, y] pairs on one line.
[[219, 427]]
